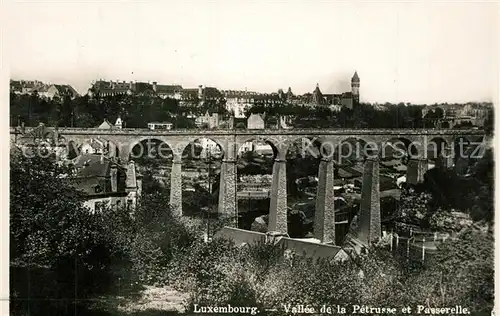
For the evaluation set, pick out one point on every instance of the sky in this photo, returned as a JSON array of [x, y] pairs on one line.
[[416, 52]]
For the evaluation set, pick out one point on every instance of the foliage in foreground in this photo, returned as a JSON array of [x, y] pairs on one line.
[[57, 243], [220, 273], [60, 250]]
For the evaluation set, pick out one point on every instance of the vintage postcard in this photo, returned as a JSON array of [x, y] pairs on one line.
[[251, 157]]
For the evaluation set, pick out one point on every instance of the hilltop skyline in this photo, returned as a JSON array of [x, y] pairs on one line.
[[418, 53]]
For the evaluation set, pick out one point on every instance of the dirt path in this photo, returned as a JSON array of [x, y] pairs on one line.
[[158, 299]]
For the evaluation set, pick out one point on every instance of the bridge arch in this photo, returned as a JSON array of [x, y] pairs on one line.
[[200, 171], [149, 147], [466, 149], [255, 159], [435, 148], [126, 149], [399, 147], [303, 159], [189, 146], [352, 150], [278, 144], [262, 144]]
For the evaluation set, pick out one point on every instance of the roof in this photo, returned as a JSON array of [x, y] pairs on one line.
[[90, 165], [26, 83], [43, 89], [317, 90], [64, 88], [15, 83], [349, 172], [240, 236], [39, 132], [189, 93], [309, 248], [140, 87], [105, 125], [96, 143], [239, 94], [391, 163], [160, 123], [302, 247], [161, 88], [110, 86], [355, 77], [87, 185]]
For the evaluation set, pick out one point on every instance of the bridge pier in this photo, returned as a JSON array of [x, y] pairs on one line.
[[370, 227], [278, 204], [123, 153], [416, 170], [176, 186], [445, 158], [227, 191], [324, 218]]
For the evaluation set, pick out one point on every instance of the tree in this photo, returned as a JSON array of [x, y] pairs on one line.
[[54, 239], [47, 216], [460, 273]]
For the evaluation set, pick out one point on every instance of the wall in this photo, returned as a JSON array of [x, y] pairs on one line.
[[111, 200]]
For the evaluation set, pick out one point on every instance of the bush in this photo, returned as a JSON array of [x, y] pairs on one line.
[[219, 273], [63, 249], [144, 242]]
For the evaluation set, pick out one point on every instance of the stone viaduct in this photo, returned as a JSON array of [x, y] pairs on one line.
[[327, 140]]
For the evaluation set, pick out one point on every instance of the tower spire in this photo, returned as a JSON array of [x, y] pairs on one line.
[[355, 86]]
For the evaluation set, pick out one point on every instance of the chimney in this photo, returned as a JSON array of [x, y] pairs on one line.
[[130, 85], [154, 86], [114, 178]]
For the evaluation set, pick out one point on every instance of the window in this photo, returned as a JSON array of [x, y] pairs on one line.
[[97, 189]]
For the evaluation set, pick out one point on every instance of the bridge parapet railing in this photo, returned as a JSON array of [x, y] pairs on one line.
[[302, 131]]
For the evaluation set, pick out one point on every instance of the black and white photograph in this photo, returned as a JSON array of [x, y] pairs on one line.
[[250, 157]]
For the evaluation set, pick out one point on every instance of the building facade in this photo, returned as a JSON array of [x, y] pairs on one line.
[[25, 86], [57, 90], [238, 102], [105, 182], [44, 90], [335, 101]]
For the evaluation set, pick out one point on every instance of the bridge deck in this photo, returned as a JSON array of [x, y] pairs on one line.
[[304, 132]]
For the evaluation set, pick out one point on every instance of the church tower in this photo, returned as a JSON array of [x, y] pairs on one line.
[[317, 96], [355, 86]]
